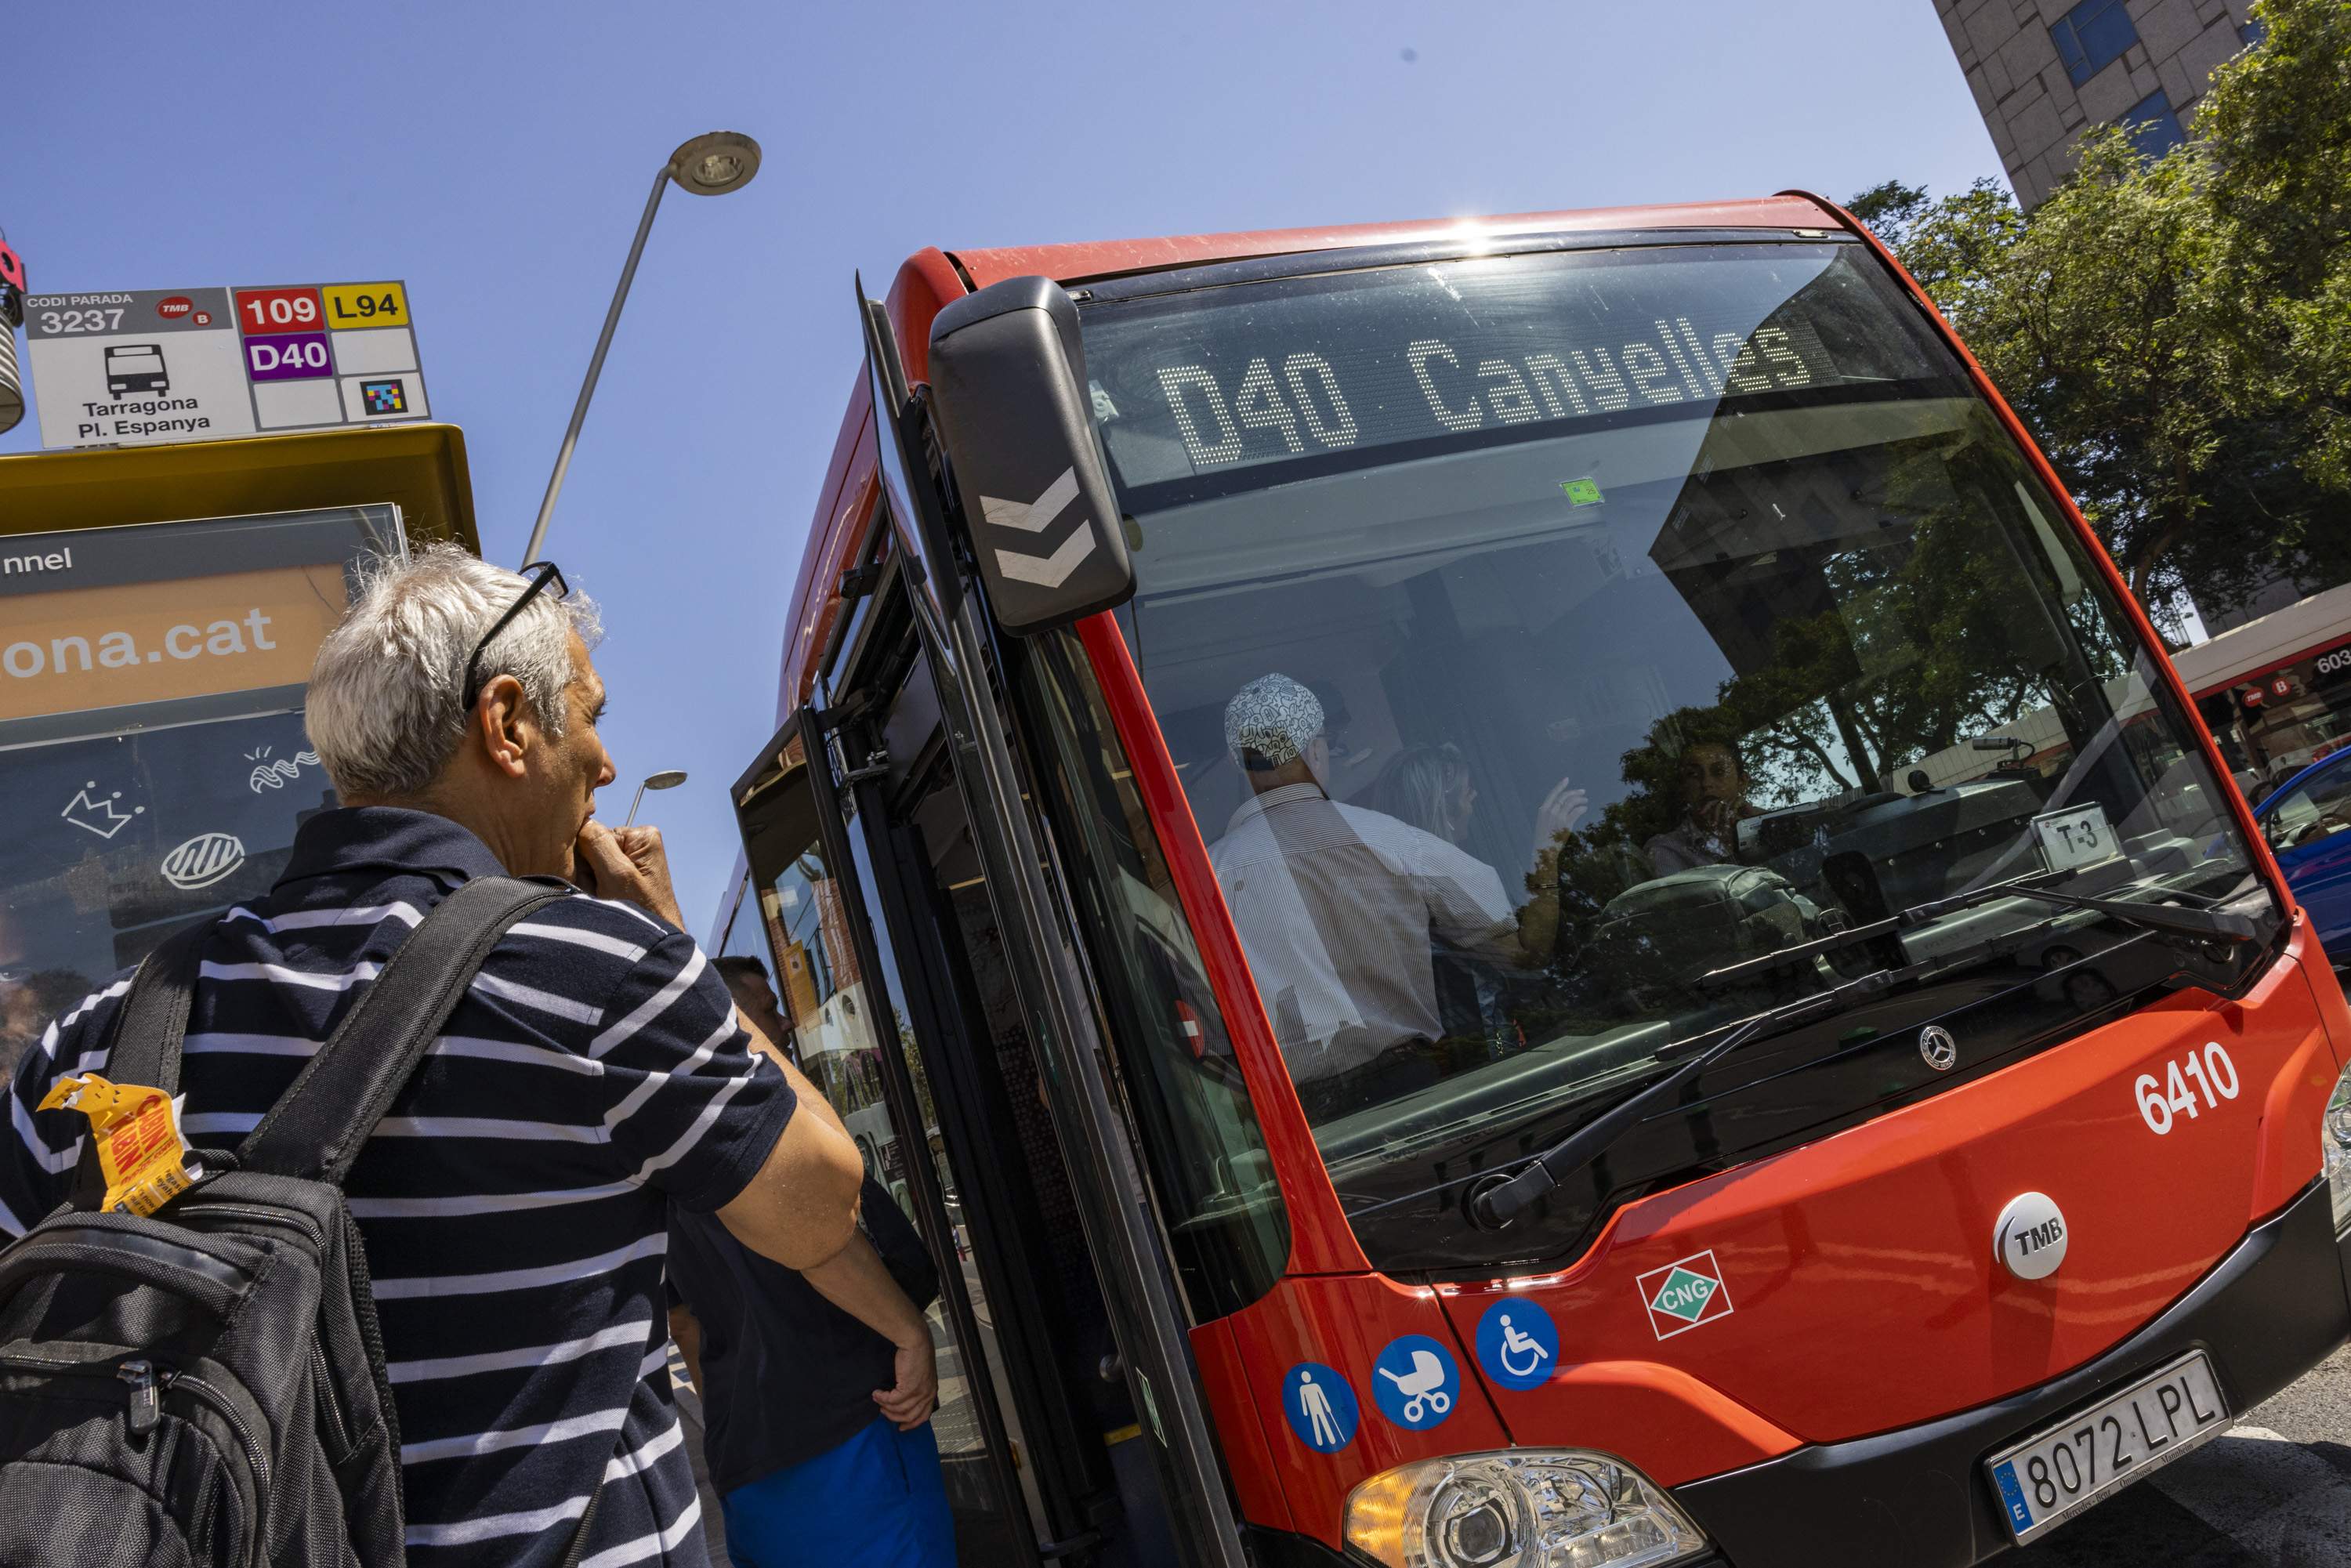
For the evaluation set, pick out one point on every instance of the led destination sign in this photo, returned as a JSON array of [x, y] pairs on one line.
[[1262, 373]]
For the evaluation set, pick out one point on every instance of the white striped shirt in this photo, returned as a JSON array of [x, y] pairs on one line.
[[514, 1201]]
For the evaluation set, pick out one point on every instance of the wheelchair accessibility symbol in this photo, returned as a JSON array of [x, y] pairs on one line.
[[1416, 1382], [1517, 1344]]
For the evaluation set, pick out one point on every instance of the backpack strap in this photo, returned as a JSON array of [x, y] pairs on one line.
[[144, 1045], [318, 1126]]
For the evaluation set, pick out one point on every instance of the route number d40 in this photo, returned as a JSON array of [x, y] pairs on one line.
[[2158, 1101]]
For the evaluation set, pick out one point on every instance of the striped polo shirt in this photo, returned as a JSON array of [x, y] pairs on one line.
[[514, 1200]]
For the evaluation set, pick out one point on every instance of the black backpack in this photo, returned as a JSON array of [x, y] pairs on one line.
[[206, 1388]]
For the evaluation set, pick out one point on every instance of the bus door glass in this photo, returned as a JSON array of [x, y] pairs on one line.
[[1020, 1239], [840, 996], [1127, 1251]]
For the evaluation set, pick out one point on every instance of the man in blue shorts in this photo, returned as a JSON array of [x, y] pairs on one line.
[[818, 1415]]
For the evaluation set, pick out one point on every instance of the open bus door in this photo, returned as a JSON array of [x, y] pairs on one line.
[[1060, 1295]]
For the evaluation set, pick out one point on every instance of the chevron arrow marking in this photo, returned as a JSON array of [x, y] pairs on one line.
[[1032, 516], [1051, 571]]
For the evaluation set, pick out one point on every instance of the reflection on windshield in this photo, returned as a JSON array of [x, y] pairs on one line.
[[1518, 758]]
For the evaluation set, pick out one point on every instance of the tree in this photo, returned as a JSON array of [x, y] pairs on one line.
[[2177, 333], [2278, 125]]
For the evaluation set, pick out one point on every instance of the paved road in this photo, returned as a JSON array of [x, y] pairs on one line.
[[2274, 1494]]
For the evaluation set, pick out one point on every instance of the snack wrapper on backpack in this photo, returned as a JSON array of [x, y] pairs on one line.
[[146, 1159]]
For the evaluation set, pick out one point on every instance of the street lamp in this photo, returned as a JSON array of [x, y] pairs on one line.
[[669, 779], [708, 165]]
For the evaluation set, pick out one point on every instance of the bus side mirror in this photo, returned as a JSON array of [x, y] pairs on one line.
[[1009, 398]]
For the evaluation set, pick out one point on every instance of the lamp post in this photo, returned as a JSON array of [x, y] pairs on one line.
[[669, 779], [708, 165]]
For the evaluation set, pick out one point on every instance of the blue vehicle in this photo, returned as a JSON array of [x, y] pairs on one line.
[[2307, 821]]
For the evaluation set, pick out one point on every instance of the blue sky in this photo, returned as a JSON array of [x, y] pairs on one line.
[[496, 156]]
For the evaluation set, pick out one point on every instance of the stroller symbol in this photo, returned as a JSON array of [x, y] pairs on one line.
[[1422, 1386], [1417, 1378]]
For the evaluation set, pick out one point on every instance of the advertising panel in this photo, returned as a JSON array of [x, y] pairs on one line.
[[154, 763]]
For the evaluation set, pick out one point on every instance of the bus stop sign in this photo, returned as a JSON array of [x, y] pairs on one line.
[[137, 367]]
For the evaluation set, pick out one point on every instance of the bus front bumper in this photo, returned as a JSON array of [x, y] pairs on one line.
[[2268, 1312]]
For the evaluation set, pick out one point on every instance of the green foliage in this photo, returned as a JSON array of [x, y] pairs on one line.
[[2278, 124], [2177, 333]]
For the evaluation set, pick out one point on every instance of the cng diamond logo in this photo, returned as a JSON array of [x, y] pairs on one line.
[[1680, 1296]]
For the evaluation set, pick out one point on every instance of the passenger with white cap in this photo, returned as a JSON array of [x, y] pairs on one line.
[[1342, 910]]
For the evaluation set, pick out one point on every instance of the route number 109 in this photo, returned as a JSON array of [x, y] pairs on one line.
[[2213, 1072], [265, 311]]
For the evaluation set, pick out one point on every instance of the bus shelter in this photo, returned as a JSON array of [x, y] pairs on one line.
[[160, 608]]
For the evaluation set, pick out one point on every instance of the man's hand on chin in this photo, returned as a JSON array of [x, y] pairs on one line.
[[628, 863]]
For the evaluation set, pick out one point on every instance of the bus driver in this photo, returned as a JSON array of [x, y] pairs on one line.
[[1340, 910]]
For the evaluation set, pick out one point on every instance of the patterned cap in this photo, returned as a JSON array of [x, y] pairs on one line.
[[1274, 716]]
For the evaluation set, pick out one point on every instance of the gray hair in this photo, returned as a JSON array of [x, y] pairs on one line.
[[383, 712]]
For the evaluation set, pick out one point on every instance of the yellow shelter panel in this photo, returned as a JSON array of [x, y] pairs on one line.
[[420, 469]]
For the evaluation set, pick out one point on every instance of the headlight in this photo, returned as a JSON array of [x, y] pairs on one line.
[[2335, 1149], [1524, 1508]]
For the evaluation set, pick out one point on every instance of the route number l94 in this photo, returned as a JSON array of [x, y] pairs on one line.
[[361, 304], [2213, 1073]]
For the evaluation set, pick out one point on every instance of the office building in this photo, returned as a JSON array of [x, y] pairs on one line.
[[2045, 71]]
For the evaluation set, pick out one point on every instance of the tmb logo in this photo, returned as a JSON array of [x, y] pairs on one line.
[[1680, 1296]]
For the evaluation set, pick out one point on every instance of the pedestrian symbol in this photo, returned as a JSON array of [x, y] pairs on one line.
[[1517, 1344], [1414, 1382], [1321, 1406]]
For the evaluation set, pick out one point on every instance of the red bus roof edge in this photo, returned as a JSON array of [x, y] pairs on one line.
[[1106, 258]]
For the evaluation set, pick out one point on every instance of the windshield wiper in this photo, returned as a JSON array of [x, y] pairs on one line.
[[2171, 919], [1497, 1205]]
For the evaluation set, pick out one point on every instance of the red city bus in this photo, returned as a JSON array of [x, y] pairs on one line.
[[1350, 824], [2276, 691]]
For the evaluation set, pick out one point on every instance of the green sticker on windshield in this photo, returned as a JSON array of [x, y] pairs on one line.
[[1582, 492]]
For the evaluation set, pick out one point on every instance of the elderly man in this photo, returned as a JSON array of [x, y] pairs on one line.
[[1340, 910], [514, 1202]]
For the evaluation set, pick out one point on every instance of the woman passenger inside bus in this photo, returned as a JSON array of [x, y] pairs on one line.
[[1430, 788]]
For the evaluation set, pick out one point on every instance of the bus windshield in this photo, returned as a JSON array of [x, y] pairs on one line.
[[1576, 652]]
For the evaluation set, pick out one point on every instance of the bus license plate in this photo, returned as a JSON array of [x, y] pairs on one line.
[[2051, 1477], [2075, 837]]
